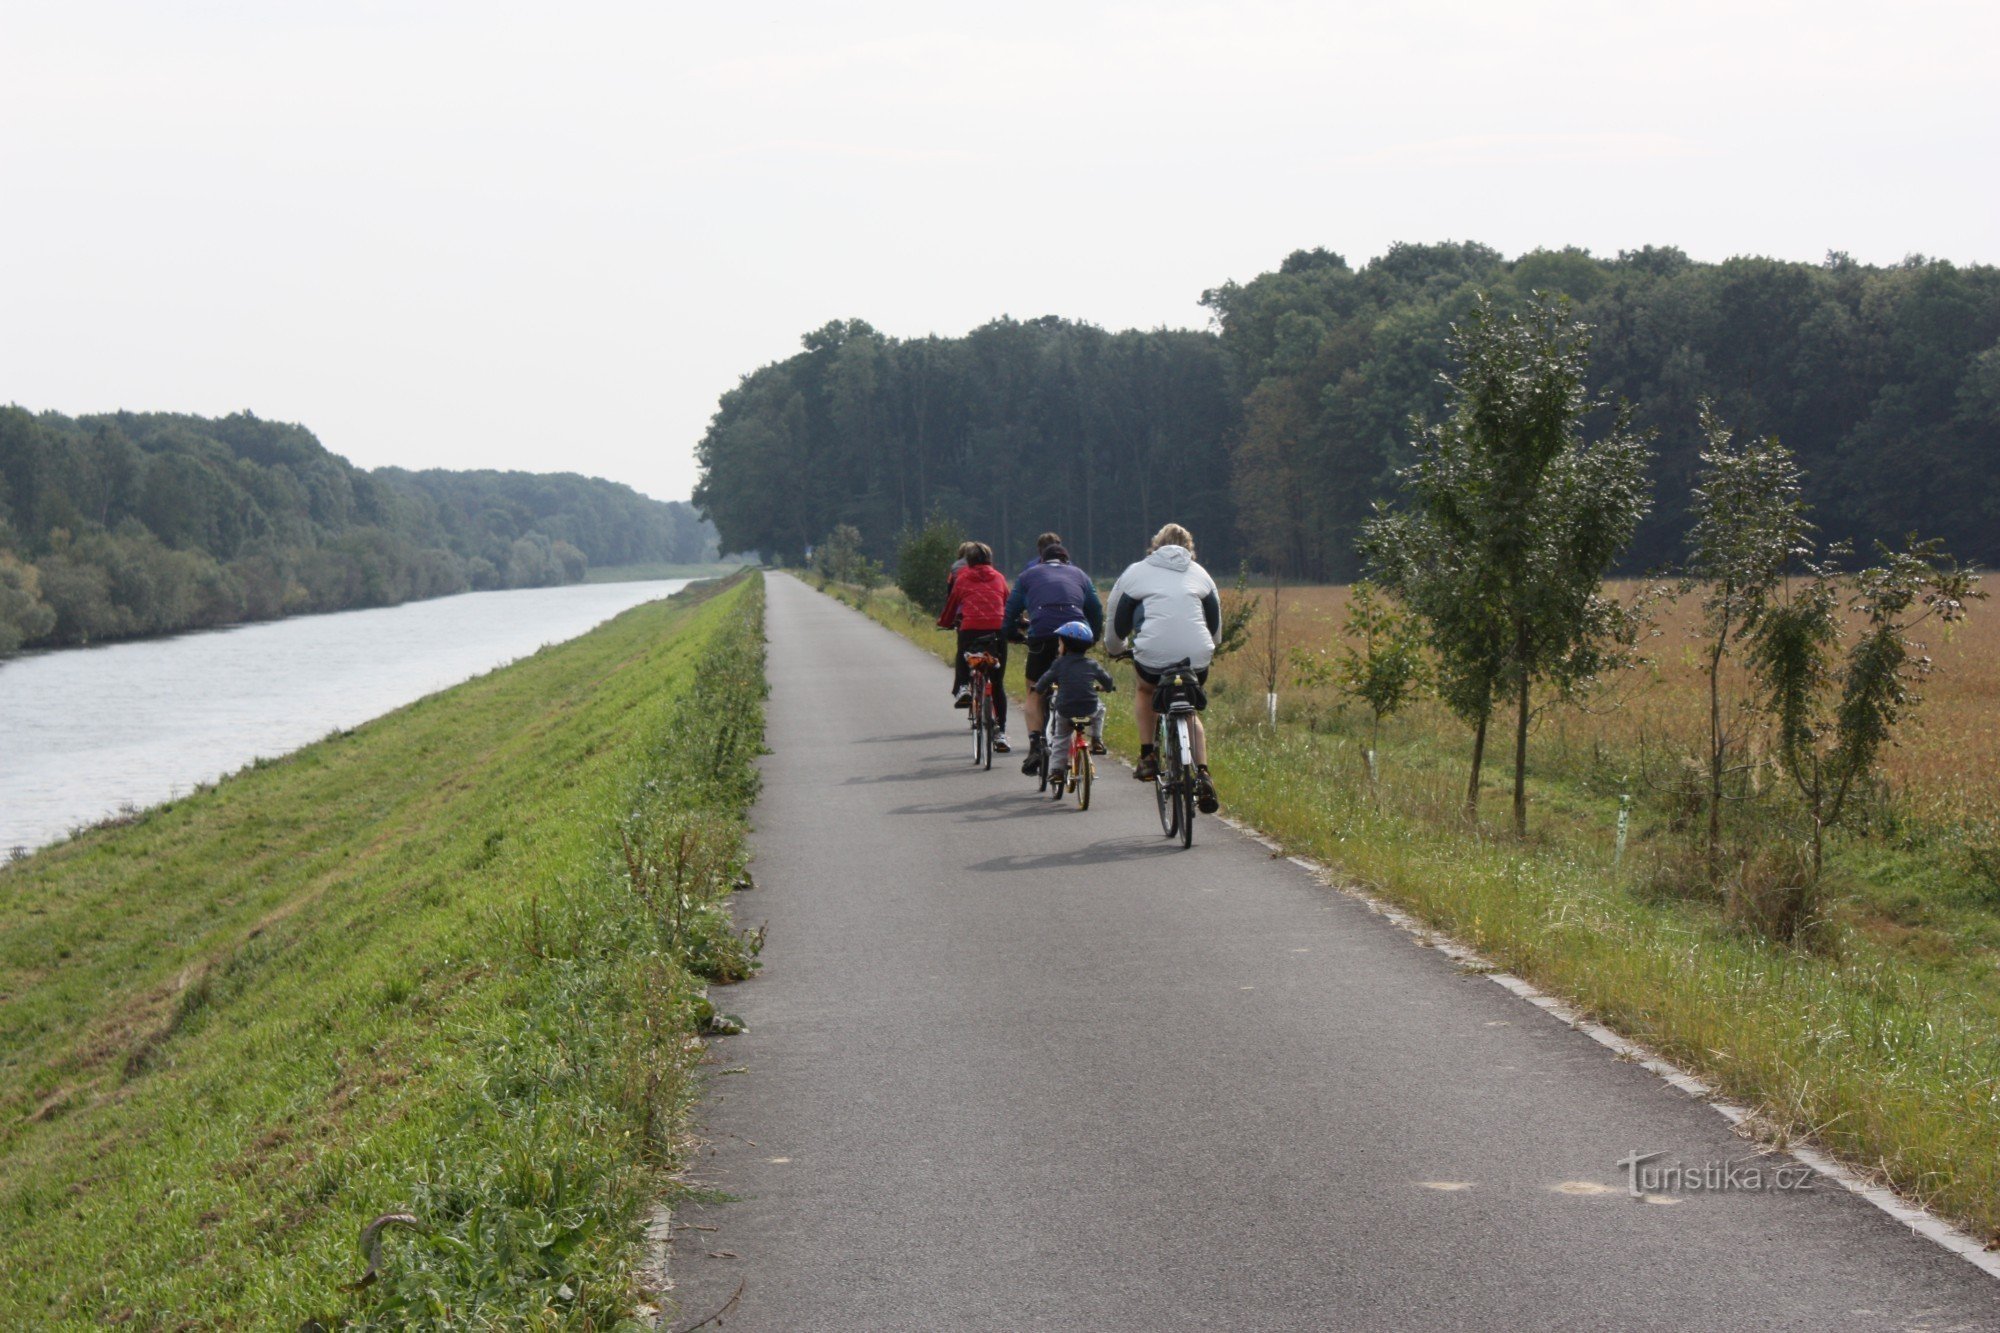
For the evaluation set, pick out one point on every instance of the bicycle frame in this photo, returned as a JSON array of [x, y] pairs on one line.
[[1173, 790], [981, 668], [1081, 768]]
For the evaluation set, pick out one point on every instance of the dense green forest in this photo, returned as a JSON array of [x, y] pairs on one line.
[[1014, 428], [144, 523], [1274, 436]]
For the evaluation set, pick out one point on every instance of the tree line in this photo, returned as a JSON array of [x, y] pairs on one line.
[[126, 524], [1274, 435], [1013, 429]]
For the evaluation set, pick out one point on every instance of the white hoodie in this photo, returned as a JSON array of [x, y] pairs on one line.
[[1169, 590]]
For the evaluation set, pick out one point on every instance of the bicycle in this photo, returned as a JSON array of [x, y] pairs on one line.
[[1175, 701], [1081, 768], [982, 667]]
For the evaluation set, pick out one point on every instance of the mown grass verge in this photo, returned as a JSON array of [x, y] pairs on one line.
[[1885, 1053], [448, 965]]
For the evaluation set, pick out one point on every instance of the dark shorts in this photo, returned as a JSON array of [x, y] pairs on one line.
[[1153, 677], [1041, 656]]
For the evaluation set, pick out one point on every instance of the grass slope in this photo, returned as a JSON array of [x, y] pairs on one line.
[[409, 969], [1881, 1044], [644, 573]]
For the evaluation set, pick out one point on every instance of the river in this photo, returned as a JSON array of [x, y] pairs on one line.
[[87, 732]]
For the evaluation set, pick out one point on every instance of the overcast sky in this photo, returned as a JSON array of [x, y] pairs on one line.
[[548, 236]]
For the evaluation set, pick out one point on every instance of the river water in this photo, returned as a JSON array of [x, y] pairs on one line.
[[85, 732]]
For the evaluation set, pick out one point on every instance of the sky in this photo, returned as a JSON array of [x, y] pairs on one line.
[[550, 236]]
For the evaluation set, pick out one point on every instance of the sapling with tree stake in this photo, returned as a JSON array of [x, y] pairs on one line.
[[1833, 708], [1749, 526], [1514, 521], [1272, 658], [1382, 665]]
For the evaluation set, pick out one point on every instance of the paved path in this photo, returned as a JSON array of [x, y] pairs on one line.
[[1010, 1066]]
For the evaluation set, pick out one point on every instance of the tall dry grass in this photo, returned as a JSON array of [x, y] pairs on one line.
[[1944, 768]]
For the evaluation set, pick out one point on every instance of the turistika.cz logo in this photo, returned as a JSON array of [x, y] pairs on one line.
[[1709, 1177]]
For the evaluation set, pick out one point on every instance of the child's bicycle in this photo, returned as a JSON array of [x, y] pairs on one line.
[[984, 669], [1077, 773]]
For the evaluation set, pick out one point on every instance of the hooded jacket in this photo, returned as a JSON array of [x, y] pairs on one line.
[[1165, 608], [978, 600]]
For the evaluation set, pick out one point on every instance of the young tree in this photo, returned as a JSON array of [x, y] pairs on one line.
[[1835, 710], [1749, 526], [839, 558], [1516, 520], [923, 561], [1239, 612], [1271, 641], [1383, 664]]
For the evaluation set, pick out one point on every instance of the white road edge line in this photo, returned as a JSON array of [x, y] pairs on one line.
[[1919, 1219]]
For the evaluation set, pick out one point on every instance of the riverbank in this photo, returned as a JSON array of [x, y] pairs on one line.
[[1877, 1044], [104, 732], [447, 965], [648, 572]]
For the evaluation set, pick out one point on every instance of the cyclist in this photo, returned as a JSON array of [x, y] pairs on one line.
[[1164, 609], [976, 607], [1049, 594], [1075, 680], [960, 693]]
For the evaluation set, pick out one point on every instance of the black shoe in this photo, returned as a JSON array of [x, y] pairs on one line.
[[1032, 765], [1097, 747], [1148, 769], [1204, 793]]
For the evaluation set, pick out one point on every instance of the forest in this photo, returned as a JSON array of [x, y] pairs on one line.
[[1274, 434], [126, 524]]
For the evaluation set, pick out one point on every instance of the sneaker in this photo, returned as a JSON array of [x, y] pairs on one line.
[[961, 697], [1148, 769], [1204, 792], [1000, 745], [1097, 746]]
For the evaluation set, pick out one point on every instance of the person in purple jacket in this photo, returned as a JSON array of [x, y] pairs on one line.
[[1048, 595]]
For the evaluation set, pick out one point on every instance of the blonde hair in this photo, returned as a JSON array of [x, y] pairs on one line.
[[1173, 535]]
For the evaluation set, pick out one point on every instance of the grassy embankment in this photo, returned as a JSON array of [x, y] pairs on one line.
[[448, 964], [647, 573], [1882, 1041]]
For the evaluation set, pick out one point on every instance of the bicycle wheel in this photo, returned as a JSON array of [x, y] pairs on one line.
[[1083, 768], [981, 734], [1170, 809], [1042, 767], [1184, 786], [987, 727]]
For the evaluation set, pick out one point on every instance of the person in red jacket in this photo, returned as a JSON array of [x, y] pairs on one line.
[[977, 608]]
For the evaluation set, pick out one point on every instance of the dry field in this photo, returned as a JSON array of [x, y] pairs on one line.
[[1946, 766]]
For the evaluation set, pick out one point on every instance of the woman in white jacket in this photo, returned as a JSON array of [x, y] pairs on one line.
[[1164, 609]]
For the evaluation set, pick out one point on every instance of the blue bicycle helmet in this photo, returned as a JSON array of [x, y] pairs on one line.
[[1077, 630]]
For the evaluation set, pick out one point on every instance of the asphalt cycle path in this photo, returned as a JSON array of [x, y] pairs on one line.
[[1013, 1066]]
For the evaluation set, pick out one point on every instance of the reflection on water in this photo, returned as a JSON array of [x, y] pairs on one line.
[[86, 731]]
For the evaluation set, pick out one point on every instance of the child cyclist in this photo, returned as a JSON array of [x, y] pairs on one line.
[[1075, 680]]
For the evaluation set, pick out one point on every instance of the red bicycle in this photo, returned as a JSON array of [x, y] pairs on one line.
[[1077, 773], [984, 674]]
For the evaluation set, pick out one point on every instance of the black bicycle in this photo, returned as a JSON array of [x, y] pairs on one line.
[[1176, 699]]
